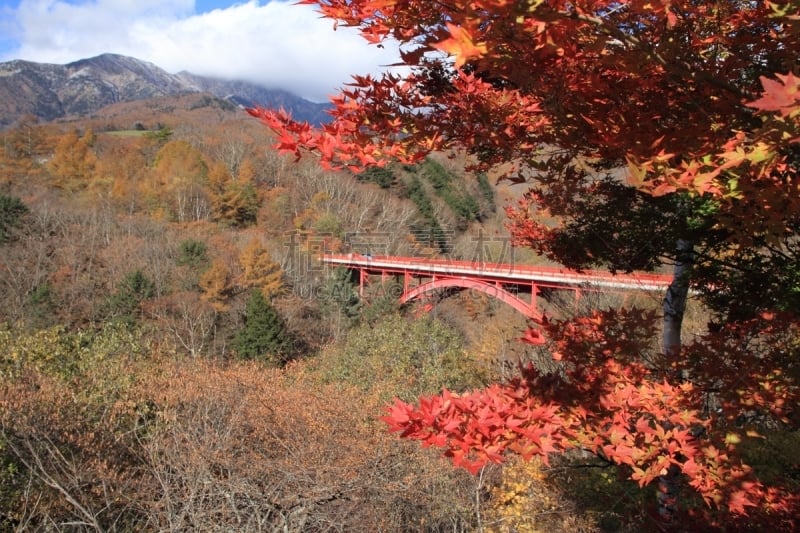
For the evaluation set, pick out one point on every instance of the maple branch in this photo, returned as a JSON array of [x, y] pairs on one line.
[[604, 463], [684, 71]]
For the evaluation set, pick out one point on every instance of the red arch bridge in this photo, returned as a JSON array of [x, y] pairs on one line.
[[421, 277]]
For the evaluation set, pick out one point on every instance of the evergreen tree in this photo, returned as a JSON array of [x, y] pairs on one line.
[[384, 177], [11, 212], [124, 303], [486, 191], [265, 335], [339, 299], [192, 253]]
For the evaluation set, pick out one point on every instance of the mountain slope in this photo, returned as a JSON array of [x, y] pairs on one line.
[[249, 94], [51, 92]]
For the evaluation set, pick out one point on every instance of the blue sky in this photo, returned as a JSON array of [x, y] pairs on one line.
[[277, 43]]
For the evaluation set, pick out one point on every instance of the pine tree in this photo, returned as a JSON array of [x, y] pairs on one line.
[[265, 335]]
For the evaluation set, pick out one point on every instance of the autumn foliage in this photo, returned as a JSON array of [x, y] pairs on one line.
[[108, 435], [608, 80], [608, 400], [683, 115]]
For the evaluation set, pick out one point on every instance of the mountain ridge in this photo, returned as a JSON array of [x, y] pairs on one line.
[[52, 91]]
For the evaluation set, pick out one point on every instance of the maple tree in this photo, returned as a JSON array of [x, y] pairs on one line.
[[672, 129]]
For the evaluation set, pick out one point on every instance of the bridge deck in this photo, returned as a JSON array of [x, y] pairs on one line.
[[501, 272]]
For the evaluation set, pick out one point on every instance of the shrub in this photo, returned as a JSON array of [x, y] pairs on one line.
[[397, 357]]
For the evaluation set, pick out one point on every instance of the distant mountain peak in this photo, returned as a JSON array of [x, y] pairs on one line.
[[79, 88]]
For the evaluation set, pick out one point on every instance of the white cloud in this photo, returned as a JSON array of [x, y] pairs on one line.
[[278, 44]]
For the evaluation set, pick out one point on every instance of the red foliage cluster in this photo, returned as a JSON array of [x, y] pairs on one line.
[[657, 83], [379, 120], [629, 412]]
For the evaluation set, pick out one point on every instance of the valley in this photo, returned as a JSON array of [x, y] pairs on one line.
[[162, 270]]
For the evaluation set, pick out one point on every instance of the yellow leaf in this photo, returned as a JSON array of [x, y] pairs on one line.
[[732, 438]]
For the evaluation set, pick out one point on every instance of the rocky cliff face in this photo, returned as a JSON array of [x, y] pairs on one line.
[[51, 92]]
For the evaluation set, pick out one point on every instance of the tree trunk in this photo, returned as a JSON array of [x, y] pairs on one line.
[[674, 308], [675, 299]]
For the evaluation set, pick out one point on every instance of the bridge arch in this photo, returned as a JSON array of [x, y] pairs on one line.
[[496, 291]]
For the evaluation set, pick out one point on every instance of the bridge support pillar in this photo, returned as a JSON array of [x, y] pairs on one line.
[[362, 280]]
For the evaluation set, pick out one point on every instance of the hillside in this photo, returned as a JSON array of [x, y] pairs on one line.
[[161, 243], [193, 166], [167, 330]]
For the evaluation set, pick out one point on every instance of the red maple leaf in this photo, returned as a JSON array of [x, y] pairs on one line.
[[781, 95]]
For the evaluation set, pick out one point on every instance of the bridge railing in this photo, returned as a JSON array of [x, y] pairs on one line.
[[502, 272]]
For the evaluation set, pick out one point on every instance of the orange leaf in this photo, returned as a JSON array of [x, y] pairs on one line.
[[461, 45]]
